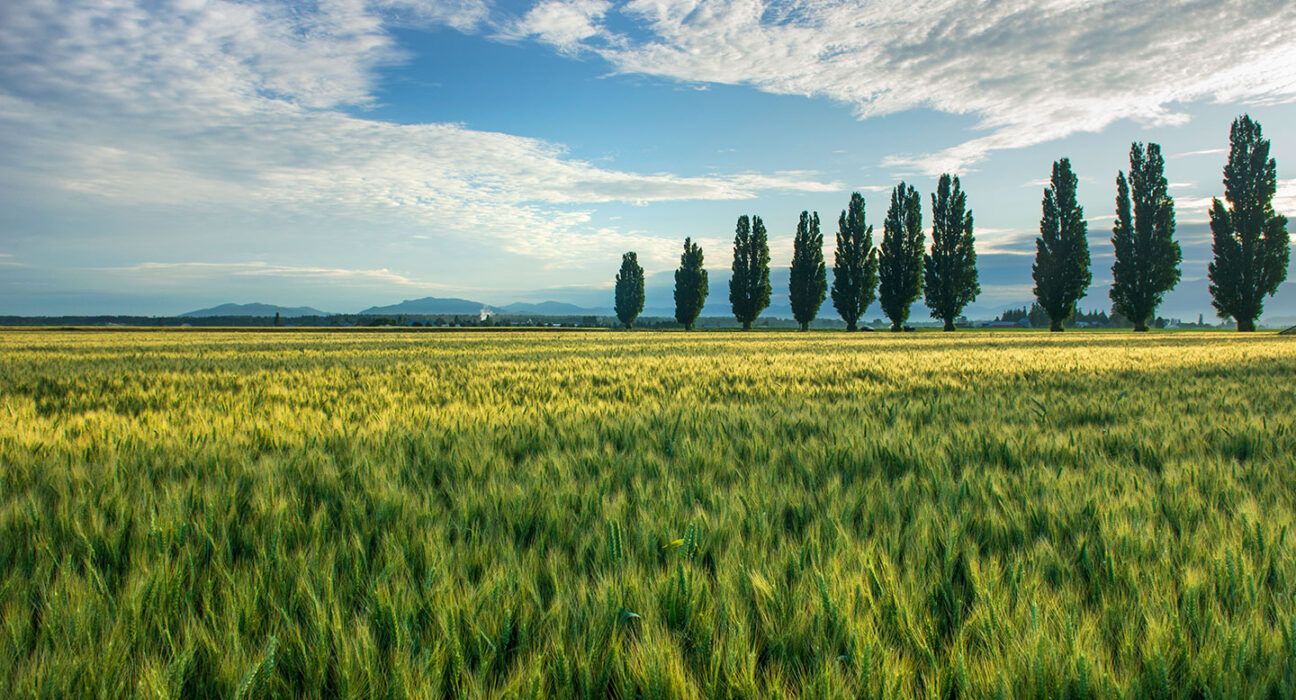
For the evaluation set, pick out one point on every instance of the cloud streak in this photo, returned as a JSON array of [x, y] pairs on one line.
[[224, 104], [1031, 72], [166, 271]]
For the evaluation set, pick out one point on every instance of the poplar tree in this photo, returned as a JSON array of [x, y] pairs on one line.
[[900, 261], [691, 286], [950, 273], [855, 264], [1251, 244], [1147, 256], [749, 287], [629, 289], [1061, 269], [808, 280]]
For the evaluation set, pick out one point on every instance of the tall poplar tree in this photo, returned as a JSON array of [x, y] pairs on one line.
[[1147, 255], [900, 261], [691, 285], [950, 272], [855, 264], [1251, 244], [1061, 269], [808, 280], [749, 287], [629, 289]]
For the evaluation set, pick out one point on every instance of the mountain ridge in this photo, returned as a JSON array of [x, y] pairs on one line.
[[255, 309]]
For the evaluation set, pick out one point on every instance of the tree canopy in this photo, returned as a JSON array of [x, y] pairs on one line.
[[950, 273], [749, 287], [629, 289], [691, 285], [855, 264], [1147, 255], [900, 261], [1250, 241], [1061, 269], [808, 280]]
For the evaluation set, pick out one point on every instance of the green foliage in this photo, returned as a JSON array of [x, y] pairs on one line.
[[749, 286], [855, 264], [1061, 269], [1034, 314], [900, 260], [691, 287], [629, 290], [583, 515], [1250, 241], [950, 273], [808, 280], [1147, 255]]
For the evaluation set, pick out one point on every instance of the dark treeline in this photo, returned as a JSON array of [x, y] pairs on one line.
[[1035, 316], [1250, 244]]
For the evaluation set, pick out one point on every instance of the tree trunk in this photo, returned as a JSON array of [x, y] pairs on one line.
[[1246, 325], [688, 326], [949, 325], [895, 327], [1055, 325], [1140, 326], [746, 325], [805, 326], [850, 326]]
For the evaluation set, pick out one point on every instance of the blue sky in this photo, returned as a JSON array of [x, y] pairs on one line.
[[163, 156]]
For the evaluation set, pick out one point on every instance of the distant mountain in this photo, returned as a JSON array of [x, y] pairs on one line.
[[431, 306], [427, 306], [547, 308], [255, 309]]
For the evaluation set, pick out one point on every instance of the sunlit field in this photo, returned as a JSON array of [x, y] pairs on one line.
[[647, 515]]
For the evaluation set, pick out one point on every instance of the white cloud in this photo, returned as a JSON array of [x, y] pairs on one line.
[[563, 24], [1284, 201], [464, 15], [1008, 241], [1197, 209], [1192, 210], [191, 271], [222, 104], [1031, 71], [1203, 152]]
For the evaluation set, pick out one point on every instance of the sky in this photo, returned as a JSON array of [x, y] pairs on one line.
[[159, 156]]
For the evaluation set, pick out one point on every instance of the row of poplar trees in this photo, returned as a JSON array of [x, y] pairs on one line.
[[1250, 242]]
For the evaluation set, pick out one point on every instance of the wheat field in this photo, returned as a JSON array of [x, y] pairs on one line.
[[647, 515]]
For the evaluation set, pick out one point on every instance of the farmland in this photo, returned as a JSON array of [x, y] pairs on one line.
[[511, 514]]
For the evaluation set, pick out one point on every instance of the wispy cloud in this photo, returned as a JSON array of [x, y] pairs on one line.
[[224, 104], [563, 24], [1192, 209], [193, 271], [1008, 241], [1032, 72], [1284, 202], [1203, 152], [1197, 209]]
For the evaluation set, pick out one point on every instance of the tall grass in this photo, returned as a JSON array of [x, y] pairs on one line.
[[647, 515]]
